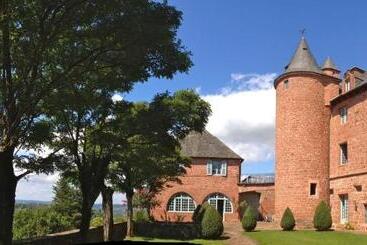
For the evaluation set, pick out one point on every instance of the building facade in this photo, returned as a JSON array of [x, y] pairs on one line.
[[320, 153], [214, 177], [321, 140]]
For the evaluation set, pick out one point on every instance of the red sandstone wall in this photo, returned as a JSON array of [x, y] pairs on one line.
[[198, 185], [302, 143], [344, 178]]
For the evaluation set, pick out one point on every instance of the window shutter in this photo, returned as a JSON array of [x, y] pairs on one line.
[[209, 168], [224, 168]]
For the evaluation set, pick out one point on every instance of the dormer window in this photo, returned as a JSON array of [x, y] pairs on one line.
[[217, 167], [347, 85]]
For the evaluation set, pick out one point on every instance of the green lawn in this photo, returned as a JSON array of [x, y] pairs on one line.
[[307, 237], [195, 241]]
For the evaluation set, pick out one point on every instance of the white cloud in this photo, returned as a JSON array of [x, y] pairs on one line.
[[117, 97], [244, 115]]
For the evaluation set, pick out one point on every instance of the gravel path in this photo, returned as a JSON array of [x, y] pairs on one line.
[[235, 233]]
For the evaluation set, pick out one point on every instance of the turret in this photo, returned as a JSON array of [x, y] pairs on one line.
[[302, 135], [330, 69]]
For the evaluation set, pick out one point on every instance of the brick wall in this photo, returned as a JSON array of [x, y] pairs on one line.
[[350, 178], [199, 186], [302, 143]]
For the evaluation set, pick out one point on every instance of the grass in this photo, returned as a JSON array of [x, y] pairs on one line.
[[307, 237], [195, 241]]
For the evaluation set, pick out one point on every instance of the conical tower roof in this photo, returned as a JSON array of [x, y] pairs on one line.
[[303, 59], [329, 64]]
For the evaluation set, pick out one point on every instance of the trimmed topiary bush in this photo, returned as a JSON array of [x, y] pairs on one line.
[[322, 219], [287, 223], [249, 219], [211, 224], [242, 207], [198, 214]]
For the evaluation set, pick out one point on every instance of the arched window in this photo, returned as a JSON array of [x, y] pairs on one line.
[[220, 202], [181, 202]]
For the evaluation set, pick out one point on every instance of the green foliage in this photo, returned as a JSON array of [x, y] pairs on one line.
[[68, 201], [287, 222], [211, 224], [198, 214], [97, 220], [242, 207], [249, 219], [141, 216], [322, 220], [33, 222]]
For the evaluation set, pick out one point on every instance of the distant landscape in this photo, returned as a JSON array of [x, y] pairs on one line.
[[118, 209]]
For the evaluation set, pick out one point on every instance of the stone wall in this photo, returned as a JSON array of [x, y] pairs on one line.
[[350, 178], [302, 143], [72, 237]]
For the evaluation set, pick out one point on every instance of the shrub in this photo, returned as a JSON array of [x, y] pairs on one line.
[[287, 223], [198, 214], [322, 219], [249, 219], [141, 216], [211, 224], [242, 207]]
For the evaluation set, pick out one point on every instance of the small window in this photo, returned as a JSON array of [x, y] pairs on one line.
[[365, 213], [343, 112], [286, 84], [358, 188], [313, 189], [343, 153], [216, 167], [331, 191], [347, 85]]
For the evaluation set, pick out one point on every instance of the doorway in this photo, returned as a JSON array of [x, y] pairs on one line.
[[343, 209], [220, 207]]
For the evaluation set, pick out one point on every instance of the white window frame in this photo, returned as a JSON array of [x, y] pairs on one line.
[[343, 153], [344, 209], [176, 202], [213, 201], [347, 85], [222, 171], [343, 112]]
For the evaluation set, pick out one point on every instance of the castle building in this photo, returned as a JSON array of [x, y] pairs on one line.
[[321, 140], [320, 154]]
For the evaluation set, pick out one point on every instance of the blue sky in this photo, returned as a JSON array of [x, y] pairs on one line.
[[238, 48]]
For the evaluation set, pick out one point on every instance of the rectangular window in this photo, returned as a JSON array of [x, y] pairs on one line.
[[215, 167], [347, 85], [343, 209], [313, 189], [365, 213], [343, 112], [343, 153]]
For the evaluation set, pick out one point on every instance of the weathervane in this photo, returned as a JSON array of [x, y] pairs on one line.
[[303, 32]]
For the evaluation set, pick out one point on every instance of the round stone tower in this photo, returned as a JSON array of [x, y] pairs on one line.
[[303, 93]]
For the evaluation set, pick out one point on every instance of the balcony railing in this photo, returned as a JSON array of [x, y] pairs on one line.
[[259, 179]]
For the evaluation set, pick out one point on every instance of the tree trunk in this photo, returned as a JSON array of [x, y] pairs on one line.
[[8, 183], [107, 204], [86, 217], [130, 223]]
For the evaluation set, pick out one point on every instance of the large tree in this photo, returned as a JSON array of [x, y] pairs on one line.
[[150, 133], [48, 45]]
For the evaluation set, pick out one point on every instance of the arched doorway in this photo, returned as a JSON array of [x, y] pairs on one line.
[[221, 203], [252, 198]]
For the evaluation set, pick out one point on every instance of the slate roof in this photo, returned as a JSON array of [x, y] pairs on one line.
[[303, 59], [206, 145], [329, 64]]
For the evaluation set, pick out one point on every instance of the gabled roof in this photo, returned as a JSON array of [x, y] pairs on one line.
[[329, 64], [303, 59], [206, 145]]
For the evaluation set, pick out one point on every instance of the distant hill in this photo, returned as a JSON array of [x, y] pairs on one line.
[[117, 208]]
